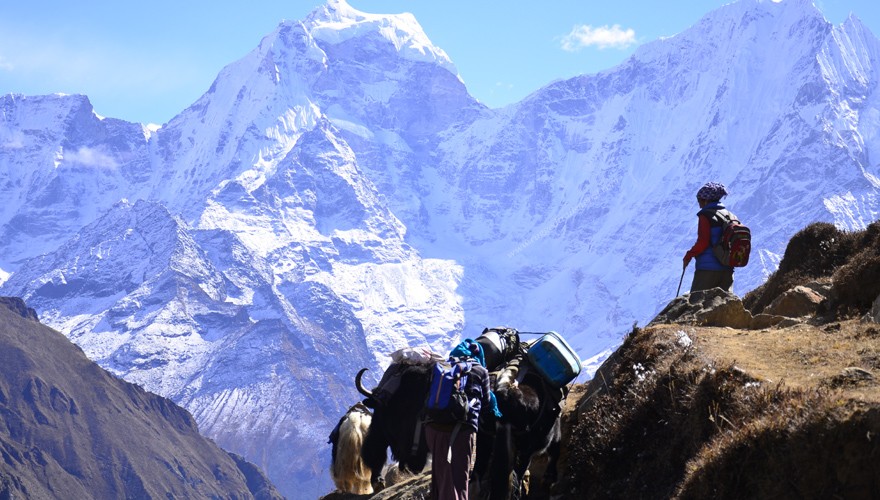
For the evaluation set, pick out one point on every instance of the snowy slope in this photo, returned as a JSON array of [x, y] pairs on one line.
[[60, 166], [337, 194]]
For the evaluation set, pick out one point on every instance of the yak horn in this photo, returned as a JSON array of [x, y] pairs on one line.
[[360, 385]]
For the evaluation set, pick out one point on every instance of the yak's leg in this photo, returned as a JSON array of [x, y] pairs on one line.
[[413, 446], [551, 473], [480, 475], [375, 453], [485, 442], [502, 464], [518, 488]]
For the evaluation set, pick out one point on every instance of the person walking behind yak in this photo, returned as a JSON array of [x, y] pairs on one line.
[[709, 271], [453, 443]]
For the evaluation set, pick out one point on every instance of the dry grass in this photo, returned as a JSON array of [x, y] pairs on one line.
[[802, 356], [737, 414]]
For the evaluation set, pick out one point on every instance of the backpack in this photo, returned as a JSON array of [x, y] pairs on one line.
[[447, 402], [736, 241]]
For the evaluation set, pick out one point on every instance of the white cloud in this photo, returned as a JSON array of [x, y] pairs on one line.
[[14, 140], [5, 65], [602, 37], [90, 157]]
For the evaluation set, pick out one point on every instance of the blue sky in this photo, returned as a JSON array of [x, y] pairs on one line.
[[147, 61]]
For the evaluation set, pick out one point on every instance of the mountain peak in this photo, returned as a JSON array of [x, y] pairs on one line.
[[853, 24], [724, 32], [784, 12], [337, 22]]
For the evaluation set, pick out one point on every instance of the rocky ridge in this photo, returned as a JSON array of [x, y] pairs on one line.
[[711, 399], [72, 430]]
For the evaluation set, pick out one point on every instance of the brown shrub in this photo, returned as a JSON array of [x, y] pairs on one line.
[[795, 452], [635, 441], [814, 252], [856, 284]]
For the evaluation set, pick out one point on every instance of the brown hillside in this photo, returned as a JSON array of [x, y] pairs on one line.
[[692, 412], [69, 429]]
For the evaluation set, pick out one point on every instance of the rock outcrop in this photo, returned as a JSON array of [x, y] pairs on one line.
[[714, 307], [799, 302]]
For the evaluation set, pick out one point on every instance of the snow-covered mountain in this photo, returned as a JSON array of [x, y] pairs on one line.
[[337, 194], [579, 200]]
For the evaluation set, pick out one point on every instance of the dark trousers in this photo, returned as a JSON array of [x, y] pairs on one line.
[[705, 280], [449, 481]]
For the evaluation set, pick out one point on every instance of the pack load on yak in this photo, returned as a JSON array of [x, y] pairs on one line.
[[500, 344], [554, 359], [391, 378]]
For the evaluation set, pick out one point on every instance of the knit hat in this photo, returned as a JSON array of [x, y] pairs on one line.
[[712, 191]]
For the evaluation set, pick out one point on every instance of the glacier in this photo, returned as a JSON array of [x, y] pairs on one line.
[[338, 194]]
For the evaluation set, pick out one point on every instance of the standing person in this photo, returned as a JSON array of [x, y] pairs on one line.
[[453, 445], [710, 272]]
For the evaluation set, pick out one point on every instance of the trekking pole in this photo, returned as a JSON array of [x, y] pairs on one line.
[[683, 269]]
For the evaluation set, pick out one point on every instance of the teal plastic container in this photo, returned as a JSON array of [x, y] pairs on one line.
[[554, 359]]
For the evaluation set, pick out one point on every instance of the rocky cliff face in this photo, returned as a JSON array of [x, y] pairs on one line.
[[72, 430]]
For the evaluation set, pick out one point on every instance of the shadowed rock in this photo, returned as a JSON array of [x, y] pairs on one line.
[[18, 306], [798, 302], [714, 307]]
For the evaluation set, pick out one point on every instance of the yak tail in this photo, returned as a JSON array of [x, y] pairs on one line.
[[348, 471]]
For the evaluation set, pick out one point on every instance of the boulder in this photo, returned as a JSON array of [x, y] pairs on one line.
[[874, 315], [822, 286], [798, 302], [852, 376], [715, 307]]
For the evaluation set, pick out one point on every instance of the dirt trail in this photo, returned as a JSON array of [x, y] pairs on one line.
[[843, 355]]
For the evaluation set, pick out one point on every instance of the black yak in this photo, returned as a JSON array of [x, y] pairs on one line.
[[398, 404], [397, 420], [530, 424]]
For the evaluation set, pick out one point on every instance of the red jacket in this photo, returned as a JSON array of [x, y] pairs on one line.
[[704, 237]]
